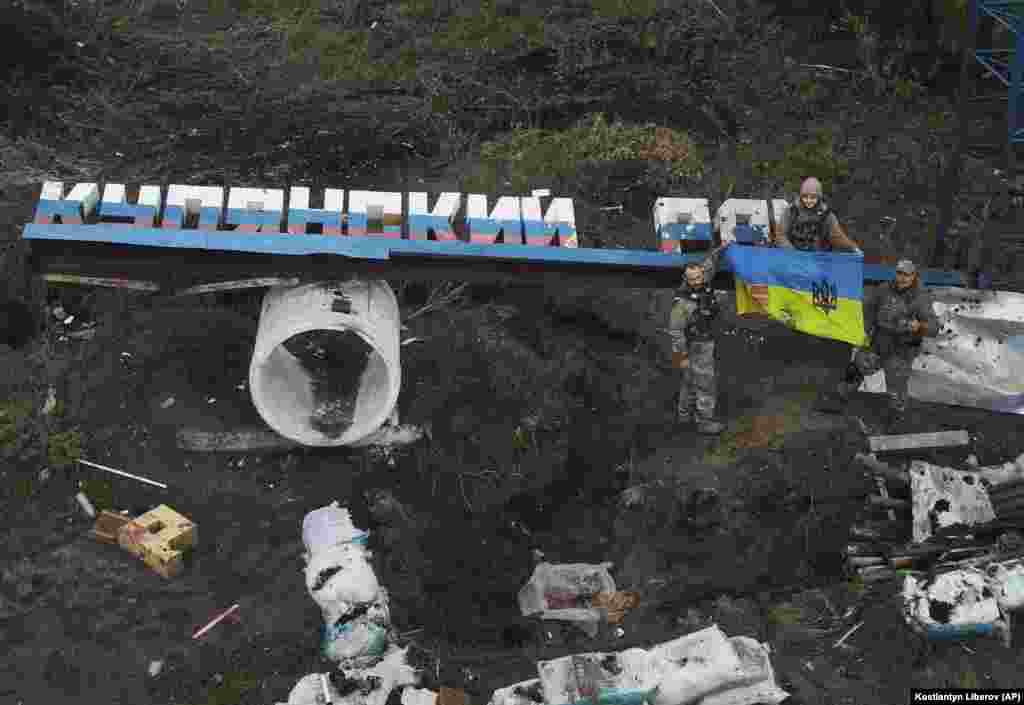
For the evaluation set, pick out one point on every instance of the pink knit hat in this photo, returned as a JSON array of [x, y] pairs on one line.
[[811, 185]]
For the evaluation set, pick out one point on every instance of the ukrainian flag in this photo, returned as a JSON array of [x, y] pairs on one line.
[[818, 293]]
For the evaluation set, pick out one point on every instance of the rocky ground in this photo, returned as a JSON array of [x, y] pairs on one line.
[[544, 406]]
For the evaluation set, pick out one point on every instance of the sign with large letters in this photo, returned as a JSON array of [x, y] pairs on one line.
[[537, 230]]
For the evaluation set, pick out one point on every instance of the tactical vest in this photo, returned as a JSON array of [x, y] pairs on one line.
[[894, 313], [702, 307], [808, 228]]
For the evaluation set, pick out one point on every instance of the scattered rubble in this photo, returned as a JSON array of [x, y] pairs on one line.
[[962, 570], [107, 525]]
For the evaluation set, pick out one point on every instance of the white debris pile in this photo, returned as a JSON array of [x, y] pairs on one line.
[[945, 497], [564, 591], [343, 584], [971, 600], [363, 686], [357, 630], [1000, 474], [705, 667]]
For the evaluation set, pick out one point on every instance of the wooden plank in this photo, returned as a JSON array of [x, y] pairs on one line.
[[241, 441], [80, 280], [915, 441], [237, 285]]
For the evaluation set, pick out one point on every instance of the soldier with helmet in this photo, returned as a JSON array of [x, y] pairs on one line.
[[694, 312], [897, 318]]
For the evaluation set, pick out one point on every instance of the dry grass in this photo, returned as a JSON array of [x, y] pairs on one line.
[[759, 431]]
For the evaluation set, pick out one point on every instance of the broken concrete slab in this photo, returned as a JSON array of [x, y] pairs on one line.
[[917, 441], [251, 440], [946, 497]]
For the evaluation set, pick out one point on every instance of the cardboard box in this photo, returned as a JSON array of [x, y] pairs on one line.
[[160, 538]]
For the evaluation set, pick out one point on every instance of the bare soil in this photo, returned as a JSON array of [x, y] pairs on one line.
[[543, 406]]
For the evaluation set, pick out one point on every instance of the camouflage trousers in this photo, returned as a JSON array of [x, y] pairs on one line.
[[698, 389], [897, 366]]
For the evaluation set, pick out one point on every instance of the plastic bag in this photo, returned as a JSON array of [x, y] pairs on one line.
[[563, 592], [343, 584], [391, 673], [696, 665], [361, 639], [418, 696], [705, 667], [330, 526], [522, 693], [757, 668], [340, 577], [611, 679]]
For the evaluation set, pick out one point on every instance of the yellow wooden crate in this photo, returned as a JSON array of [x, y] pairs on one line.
[[159, 538]]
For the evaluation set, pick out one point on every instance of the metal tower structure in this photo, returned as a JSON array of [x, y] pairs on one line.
[[1005, 64]]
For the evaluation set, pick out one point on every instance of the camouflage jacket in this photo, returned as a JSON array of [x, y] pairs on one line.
[[694, 311], [888, 314]]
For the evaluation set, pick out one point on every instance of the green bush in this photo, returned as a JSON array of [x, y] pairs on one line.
[[420, 9], [785, 614], [907, 89], [340, 54], [121, 24], [615, 9], [531, 154], [100, 492], [63, 448], [12, 414], [484, 28], [344, 54], [814, 157]]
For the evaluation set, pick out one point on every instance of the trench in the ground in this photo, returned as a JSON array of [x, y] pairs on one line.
[[333, 366]]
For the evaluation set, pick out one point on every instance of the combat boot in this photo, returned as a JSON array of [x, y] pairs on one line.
[[710, 427]]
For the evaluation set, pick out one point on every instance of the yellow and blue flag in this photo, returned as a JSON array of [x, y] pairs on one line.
[[818, 293]]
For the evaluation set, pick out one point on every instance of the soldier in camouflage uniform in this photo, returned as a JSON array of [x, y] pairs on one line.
[[693, 344], [896, 319], [812, 226]]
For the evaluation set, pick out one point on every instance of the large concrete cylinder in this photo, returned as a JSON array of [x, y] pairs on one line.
[[325, 370]]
